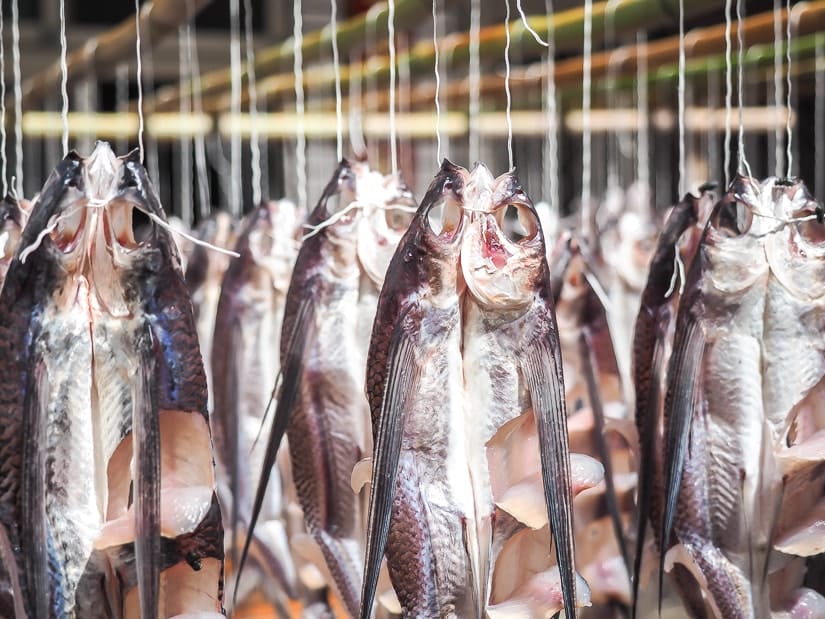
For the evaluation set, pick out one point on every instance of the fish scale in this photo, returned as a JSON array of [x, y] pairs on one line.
[[105, 349]]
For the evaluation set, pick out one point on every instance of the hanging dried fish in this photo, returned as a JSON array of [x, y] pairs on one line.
[[108, 505], [245, 361], [321, 404], [654, 326], [743, 388], [432, 504]]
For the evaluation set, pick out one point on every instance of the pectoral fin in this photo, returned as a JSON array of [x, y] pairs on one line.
[[403, 375], [682, 395], [542, 370], [146, 447], [292, 369]]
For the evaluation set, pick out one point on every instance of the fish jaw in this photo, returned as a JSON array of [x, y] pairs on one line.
[[501, 273]]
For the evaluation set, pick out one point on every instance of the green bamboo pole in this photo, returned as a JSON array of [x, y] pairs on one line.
[[351, 34], [157, 20], [567, 26]]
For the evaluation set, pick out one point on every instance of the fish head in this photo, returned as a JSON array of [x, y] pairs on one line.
[[269, 233], [732, 247], [503, 252], [333, 222], [383, 226], [428, 254], [99, 219], [796, 250]]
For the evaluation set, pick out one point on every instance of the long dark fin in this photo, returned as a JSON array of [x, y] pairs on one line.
[[232, 430], [680, 401], [292, 369], [590, 369], [545, 381], [33, 525], [403, 374], [146, 450], [646, 464]]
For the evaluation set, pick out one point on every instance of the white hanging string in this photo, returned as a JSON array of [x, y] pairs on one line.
[[778, 152], [18, 98], [713, 105], [528, 27], [743, 167], [404, 91], [391, 37], [139, 61], [437, 88], [371, 78], [507, 85], [64, 78], [236, 188], [3, 137], [728, 90], [586, 133], [185, 141], [252, 87], [681, 90], [788, 108], [819, 119], [300, 130], [643, 156], [356, 130], [197, 106], [122, 99], [612, 154], [551, 153], [339, 118], [474, 78]]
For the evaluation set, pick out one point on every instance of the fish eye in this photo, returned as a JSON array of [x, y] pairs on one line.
[[519, 224], [435, 218], [398, 219], [732, 217], [812, 230], [142, 226]]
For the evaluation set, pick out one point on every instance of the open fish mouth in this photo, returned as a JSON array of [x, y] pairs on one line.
[[502, 250]]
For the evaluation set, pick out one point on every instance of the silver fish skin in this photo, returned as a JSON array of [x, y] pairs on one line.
[[729, 408], [321, 405], [112, 362], [246, 363], [512, 364], [12, 221], [421, 503], [204, 274]]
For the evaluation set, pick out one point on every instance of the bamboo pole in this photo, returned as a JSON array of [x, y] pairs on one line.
[[700, 42], [157, 20], [567, 26], [351, 34]]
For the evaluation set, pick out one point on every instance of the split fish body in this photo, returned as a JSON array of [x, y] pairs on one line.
[[245, 361], [742, 363], [108, 358], [415, 367], [321, 405], [449, 368]]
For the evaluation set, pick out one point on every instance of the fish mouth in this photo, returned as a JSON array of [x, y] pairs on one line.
[[105, 204], [499, 263]]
